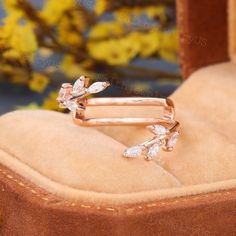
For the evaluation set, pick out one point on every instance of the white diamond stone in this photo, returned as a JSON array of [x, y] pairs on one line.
[[173, 139], [62, 95], [78, 87], [154, 149], [135, 151], [71, 105], [97, 87], [159, 130], [64, 92]]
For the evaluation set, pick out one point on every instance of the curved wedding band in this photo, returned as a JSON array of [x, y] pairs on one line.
[[165, 128]]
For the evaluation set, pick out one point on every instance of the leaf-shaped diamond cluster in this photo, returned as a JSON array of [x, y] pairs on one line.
[[70, 95], [163, 138]]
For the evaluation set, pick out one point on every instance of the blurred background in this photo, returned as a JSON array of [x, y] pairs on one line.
[[132, 43]]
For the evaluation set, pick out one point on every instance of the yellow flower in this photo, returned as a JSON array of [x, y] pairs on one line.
[[124, 15], [51, 103], [106, 29], [10, 23], [6, 68], [96, 49], [67, 35], [114, 51], [70, 38], [12, 54], [2, 41], [53, 10], [169, 46], [169, 41], [78, 20], [156, 11], [73, 69], [117, 58], [137, 11], [130, 48], [149, 42], [38, 82], [168, 56], [22, 42], [100, 6], [10, 5]]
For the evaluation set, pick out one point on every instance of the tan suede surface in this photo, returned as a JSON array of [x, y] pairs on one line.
[[205, 107], [90, 159], [80, 157]]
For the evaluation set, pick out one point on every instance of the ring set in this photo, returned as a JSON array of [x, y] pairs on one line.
[[165, 129]]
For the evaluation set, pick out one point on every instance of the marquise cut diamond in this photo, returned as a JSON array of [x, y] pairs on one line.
[[173, 139], [97, 87], [71, 105], [70, 95], [159, 130], [61, 95], [78, 87], [153, 151], [135, 151]]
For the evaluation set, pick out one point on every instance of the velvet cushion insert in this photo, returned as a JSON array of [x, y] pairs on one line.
[[65, 159]]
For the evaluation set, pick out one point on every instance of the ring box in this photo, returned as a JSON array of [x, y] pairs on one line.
[[60, 179]]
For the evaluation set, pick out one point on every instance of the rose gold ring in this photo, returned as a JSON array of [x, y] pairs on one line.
[[165, 128]]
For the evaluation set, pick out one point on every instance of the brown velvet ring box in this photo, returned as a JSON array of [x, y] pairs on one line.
[[58, 179]]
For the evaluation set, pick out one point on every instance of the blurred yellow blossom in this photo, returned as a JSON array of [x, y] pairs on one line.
[[114, 51], [168, 55], [149, 42], [6, 68], [11, 6], [100, 6], [106, 29], [22, 42], [78, 21], [130, 48], [96, 49], [157, 11], [124, 15], [169, 41], [69, 38], [73, 69], [53, 9], [12, 54], [84, 40], [10, 22], [38, 82], [169, 46]]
